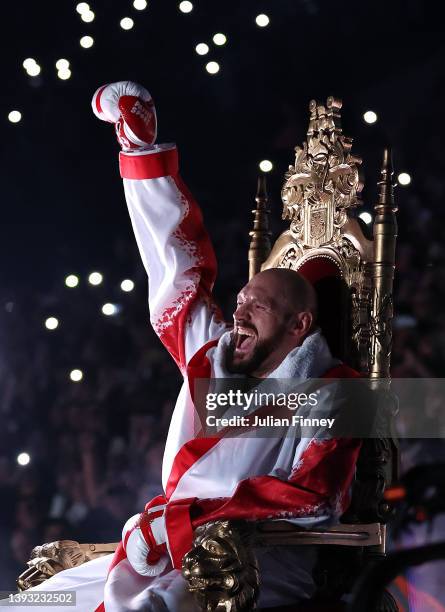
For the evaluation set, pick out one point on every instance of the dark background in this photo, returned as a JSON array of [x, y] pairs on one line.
[[96, 446]]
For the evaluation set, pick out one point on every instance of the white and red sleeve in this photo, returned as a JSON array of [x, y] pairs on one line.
[[175, 249], [318, 486]]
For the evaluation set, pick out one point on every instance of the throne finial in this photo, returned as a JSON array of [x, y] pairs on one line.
[[385, 235], [259, 248]]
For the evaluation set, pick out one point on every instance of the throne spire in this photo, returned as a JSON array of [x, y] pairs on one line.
[[260, 246]]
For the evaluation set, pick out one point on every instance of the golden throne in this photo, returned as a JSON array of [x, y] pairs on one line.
[[353, 276]]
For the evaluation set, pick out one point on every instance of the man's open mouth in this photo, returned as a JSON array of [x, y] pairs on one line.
[[245, 340]]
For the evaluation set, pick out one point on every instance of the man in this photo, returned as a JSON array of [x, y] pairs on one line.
[[274, 335]]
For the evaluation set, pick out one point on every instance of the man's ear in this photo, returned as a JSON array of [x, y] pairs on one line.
[[301, 323]]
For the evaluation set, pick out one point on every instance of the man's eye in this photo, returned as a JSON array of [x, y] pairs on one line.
[[260, 306]]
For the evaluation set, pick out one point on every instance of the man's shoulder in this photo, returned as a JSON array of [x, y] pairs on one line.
[[341, 371]]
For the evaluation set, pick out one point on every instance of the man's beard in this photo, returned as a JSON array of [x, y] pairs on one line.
[[260, 353]]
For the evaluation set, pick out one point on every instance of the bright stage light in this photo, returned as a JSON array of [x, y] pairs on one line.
[[140, 5], [370, 117], [23, 459], [15, 116], [219, 39], [127, 285], [64, 74], [51, 323], [265, 165], [88, 16], [212, 67], [95, 278], [109, 309], [33, 70], [366, 217], [76, 375], [82, 8], [202, 49], [262, 20], [72, 280], [62, 64], [185, 6], [86, 42], [404, 178], [126, 23], [28, 62]]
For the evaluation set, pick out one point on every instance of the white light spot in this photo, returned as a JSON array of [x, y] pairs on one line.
[[51, 323], [185, 6], [95, 278], [127, 285], [202, 49], [219, 39], [86, 42], [140, 5], [404, 178], [88, 16], [212, 67], [62, 64], [33, 70], [76, 375], [23, 459], [14, 116], [262, 20], [72, 280], [370, 116], [109, 309], [82, 8], [126, 23], [28, 62], [366, 217], [266, 165], [65, 74]]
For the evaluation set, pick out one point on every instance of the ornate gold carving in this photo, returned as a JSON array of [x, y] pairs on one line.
[[324, 181], [50, 559], [259, 248], [221, 569]]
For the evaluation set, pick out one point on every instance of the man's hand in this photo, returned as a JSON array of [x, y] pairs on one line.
[[144, 541], [130, 107]]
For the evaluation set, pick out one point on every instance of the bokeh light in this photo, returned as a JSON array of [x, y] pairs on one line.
[[71, 280], [51, 323], [23, 459], [109, 309], [185, 6], [212, 67], [126, 23], [366, 217], [88, 16], [86, 42], [62, 64], [370, 116], [219, 39], [14, 116], [404, 179], [202, 49], [82, 8], [262, 20], [76, 375], [127, 285], [95, 278], [265, 165], [140, 5], [64, 74]]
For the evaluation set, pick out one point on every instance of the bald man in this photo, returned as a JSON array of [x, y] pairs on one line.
[[274, 335]]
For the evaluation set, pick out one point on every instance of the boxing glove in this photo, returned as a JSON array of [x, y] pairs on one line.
[[130, 107]]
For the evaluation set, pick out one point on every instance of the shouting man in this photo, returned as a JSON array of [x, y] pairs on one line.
[[274, 335]]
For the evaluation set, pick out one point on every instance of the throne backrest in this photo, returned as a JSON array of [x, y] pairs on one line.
[[353, 275]]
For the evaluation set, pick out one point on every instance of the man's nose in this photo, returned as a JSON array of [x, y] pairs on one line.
[[242, 313]]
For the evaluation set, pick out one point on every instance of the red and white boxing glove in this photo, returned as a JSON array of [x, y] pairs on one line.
[[130, 107], [144, 541]]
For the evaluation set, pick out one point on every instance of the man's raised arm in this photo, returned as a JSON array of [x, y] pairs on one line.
[[167, 222]]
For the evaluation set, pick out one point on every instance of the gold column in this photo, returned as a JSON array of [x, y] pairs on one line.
[[260, 246], [385, 235]]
